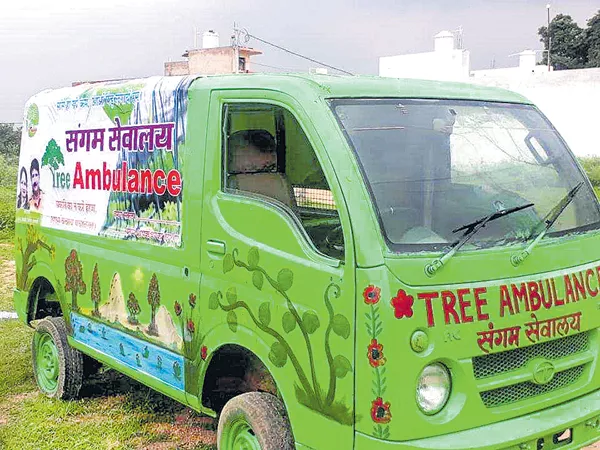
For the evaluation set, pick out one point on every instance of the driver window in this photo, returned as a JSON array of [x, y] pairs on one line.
[[267, 154]]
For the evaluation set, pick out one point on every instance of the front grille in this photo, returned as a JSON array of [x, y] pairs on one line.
[[497, 363], [522, 391]]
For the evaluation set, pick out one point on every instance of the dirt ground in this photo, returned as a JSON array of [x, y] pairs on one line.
[[7, 278]]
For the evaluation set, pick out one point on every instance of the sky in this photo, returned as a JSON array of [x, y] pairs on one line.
[[48, 44]]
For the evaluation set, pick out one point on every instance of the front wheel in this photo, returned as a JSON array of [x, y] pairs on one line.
[[58, 368], [254, 421]]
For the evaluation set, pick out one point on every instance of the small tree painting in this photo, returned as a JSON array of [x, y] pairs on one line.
[[52, 156], [74, 278], [154, 302], [95, 292], [133, 306]]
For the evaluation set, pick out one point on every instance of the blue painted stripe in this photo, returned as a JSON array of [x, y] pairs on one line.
[[130, 351]]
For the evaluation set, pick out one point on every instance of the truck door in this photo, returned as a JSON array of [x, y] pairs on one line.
[[277, 259]]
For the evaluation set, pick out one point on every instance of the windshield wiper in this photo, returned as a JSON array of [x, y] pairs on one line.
[[470, 230], [549, 220]]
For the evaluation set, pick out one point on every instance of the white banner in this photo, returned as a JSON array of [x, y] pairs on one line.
[[103, 159]]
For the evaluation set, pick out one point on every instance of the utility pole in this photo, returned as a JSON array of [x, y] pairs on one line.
[[236, 48], [548, 32]]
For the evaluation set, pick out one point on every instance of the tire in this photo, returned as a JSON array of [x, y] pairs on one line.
[[254, 420], [57, 367]]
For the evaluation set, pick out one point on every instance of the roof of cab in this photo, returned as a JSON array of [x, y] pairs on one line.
[[332, 86]]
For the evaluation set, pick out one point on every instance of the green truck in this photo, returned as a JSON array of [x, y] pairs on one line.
[[318, 261]]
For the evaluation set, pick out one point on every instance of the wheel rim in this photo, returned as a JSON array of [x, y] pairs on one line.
[[46, 363], [238, 435]]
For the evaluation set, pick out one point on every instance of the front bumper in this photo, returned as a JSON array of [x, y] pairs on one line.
[[581, 415]]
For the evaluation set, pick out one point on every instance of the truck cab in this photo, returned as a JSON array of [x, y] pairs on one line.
[[322, 261]]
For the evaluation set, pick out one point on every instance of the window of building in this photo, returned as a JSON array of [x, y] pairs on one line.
[[267, 154]]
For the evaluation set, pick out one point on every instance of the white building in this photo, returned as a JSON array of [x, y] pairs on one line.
[[446, 62], [569, 98], [527, 65]]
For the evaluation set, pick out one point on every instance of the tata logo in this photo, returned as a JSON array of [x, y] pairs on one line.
[[543, 372]]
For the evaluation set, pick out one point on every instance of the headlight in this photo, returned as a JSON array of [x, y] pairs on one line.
[[433, 388]]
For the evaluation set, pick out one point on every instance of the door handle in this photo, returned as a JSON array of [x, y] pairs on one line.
[[215, 246]]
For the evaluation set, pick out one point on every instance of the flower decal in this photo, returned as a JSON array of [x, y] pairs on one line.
[[403, 305], [190, 326], [375, 354], [192, 300], [380, 411], [371, 294], [203, 352], [178, 309]]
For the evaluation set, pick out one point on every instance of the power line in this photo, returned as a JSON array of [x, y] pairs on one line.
[[299, 55], [274, 67], [248, 35]]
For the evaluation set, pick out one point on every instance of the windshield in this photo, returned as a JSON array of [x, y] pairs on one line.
[[433, 166]]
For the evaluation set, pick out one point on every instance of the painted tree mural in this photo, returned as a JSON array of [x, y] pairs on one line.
[[74, 278], [33, 242], [95, 291], [154, 302], [317, 393], [53, 157], [133, 306]]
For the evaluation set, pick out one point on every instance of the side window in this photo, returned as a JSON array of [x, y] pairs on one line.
[[266, 153]]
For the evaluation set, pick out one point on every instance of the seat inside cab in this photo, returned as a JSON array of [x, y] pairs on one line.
[[267, 154]]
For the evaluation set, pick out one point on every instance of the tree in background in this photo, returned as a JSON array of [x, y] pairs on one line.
[[10, 141], [592, 37], [95, 291], [571, 46], [567, 47], [10, 138], [154, 302]]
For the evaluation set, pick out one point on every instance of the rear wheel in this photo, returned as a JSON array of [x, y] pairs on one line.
[[254, 421], [58, 368]]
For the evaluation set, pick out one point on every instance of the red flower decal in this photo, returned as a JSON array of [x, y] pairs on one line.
[[192, 300], [371, 294], [190, 326], [375, 354], [380, 412], [203, 352], [178, 309], [403, 304]]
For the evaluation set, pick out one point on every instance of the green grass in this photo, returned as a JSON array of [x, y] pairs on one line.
[[115, 412], [36, 422], [15, 363], [7, 248]]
